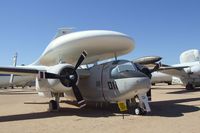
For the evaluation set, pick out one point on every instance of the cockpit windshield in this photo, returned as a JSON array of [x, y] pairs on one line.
[[125, 70]]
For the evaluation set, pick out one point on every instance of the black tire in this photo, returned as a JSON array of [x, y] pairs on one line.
[[139, 111], [149, 95], [169, 83], [53, 105], [189, 86]]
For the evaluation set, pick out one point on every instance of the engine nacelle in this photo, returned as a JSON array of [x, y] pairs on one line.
[[61, 84]]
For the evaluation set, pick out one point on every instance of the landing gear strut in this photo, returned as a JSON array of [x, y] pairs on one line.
[[138, 108]]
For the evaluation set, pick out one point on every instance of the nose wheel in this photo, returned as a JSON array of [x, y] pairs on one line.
[[138, 105], [139, 111]]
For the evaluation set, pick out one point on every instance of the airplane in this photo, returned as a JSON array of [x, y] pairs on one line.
[[159, 77], [58, 72], [188, 71]]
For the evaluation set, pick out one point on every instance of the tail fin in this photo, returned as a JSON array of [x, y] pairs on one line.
[[191, 55]]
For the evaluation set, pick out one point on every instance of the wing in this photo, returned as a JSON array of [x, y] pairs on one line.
[[36, 71], [19, 70], [177, 71]]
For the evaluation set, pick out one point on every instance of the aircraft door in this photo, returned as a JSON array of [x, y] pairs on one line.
[[109, 86]]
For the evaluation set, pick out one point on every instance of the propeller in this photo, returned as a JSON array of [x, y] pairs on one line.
[[80, 60], [148, 71], [69, 77], [157, 66]]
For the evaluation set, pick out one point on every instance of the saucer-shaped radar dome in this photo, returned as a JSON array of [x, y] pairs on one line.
[[191, 55], [99, 44]]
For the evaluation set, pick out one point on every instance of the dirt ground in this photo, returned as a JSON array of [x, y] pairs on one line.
[[174, 110]]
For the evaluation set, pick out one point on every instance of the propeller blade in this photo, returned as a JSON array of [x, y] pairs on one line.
[[80, 60], [78, 95], [155, 68]]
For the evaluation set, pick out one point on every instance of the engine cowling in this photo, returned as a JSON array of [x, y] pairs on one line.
[[63, 77], [67, 76]]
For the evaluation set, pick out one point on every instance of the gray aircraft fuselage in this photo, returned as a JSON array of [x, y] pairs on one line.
[[114, 81]]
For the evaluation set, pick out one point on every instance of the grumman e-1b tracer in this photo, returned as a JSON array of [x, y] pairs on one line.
[[58, 73]]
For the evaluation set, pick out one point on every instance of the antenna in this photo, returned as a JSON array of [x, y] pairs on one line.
[[14, 64], [15, 59], [115, 54], [63, 31]]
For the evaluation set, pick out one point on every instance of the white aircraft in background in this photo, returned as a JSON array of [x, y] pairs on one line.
[[57, 72], [188, 71], [159, 77]]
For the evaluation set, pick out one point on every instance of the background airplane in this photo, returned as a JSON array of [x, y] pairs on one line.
[[159, 77], [188, 71], [57, 72]]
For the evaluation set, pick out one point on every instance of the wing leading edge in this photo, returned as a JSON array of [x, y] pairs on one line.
[[83, 73], [19, 70], [177, 71]]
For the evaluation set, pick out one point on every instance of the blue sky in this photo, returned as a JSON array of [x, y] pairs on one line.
[[159, 27]]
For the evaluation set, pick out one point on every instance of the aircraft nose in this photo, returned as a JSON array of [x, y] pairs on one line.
[[142, 85], [129, 87]]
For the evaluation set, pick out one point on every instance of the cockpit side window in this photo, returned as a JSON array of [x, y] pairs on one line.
[[126, 67], [114, 72], [125, 70]]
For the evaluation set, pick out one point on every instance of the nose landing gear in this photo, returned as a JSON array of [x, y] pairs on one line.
[[138, 105]]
